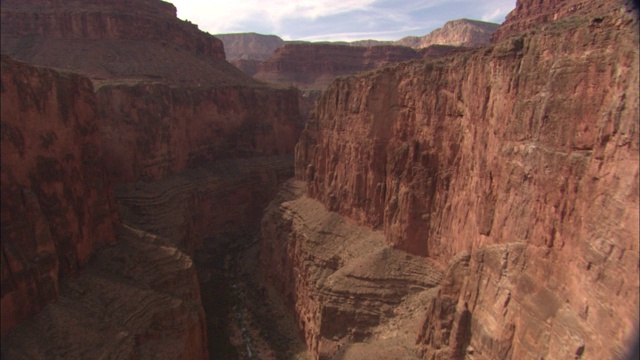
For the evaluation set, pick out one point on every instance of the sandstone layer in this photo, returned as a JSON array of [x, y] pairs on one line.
[[523, 154], [249, 46], [163, 100], [106, 40], [314, 66], [152, 131], [135, 300], [343, 282], [57, 204]]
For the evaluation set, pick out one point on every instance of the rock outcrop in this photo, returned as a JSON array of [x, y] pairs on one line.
[[57, 204], [523, 154], [314, 66], [343, 282], [245, 46], [107, 40], [158, 100], [151, 131], [136, 299], [462, 32], [167, 99], [529, 15]]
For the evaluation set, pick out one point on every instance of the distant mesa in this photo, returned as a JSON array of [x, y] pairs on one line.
[[311, 66], [462, 32]]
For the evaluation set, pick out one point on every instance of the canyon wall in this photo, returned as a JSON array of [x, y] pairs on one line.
[[158, 100], [116, 41], [102, 19], [343, 283], [151, 131], [524, 155], [57, 204], [249, 46], [167, 99], [314, 66]]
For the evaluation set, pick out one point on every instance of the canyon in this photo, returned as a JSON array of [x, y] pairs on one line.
[[157, 202], [312, 66]]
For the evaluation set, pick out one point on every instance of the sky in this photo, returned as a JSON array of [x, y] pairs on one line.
[[336, 20]]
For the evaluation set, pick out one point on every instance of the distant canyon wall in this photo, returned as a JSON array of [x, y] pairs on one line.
[[151, 131]]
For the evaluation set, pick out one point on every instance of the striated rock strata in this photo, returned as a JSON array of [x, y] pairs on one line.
[[245, 46], [314, 66], [140, 298], [343, 282], [163, 101], [524, 155], [151, 131], [107, 40], [57, 205], [134, 300]]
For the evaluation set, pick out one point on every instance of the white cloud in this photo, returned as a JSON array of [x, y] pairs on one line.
[[221, 16], [496, 10], [335, 19]]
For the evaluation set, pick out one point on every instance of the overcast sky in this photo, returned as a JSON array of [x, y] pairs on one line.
[[316, 20]]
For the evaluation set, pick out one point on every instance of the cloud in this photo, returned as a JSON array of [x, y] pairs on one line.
[[336, 19], [221, 16]]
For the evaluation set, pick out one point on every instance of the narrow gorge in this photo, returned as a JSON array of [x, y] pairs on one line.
[[159, 203]]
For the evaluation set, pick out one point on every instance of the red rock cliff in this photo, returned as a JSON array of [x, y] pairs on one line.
[[167, 99], [314, 66], [524, 154], [106, 40], [57, 205], [249, 46], [103, 20], [151, 131]]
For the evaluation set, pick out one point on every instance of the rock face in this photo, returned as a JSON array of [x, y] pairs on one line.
[[137, 55], [244, 46], [462, 32], [524, 155], [151, 131], [136, 299], [343, 282], [108, 40], [314, 66], [163, 101], [530, 15], [57, 205]]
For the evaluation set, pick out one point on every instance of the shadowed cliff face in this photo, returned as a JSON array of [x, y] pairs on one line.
[[57, 205], [163, 101], [523, 154], [151, 131]]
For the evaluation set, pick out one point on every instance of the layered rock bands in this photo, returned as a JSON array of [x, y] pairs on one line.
[[514, 166]]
